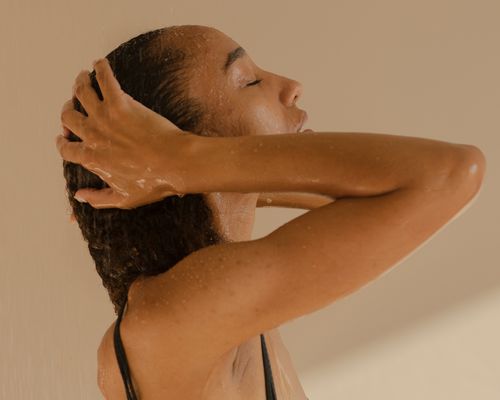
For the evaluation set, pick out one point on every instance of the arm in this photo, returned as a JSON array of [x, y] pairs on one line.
[[392, 194], [305, 201], [335, 164]]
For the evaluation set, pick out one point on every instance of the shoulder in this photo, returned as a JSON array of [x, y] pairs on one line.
[[152, 356], [103, 358]]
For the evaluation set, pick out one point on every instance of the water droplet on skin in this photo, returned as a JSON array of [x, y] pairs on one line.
[[473, 169], [100, 171]]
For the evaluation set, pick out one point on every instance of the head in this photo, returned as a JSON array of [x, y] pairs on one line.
[[201, 80]]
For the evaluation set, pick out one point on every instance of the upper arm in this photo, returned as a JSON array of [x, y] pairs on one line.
[[222, 295]]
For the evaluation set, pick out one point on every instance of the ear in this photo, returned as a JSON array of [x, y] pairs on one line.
[[72, 218]]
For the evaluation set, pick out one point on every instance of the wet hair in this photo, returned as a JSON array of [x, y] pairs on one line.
[[150, 239]]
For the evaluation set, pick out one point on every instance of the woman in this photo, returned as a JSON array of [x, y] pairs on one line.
[[189, 113]]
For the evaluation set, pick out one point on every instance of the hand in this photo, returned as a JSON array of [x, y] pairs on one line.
[[136, 151]]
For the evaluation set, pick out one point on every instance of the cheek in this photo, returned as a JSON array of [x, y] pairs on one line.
[[264, 119]]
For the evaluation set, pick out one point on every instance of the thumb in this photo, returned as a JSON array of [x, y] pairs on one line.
[[101, 198]]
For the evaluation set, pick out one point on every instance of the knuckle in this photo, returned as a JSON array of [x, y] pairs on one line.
[[79, 89], [114, 113], [68, 105], [111, 113], [81, 124], [88, 158], [64, 115]]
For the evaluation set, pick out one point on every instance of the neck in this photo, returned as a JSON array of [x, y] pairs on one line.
[[234, 214]]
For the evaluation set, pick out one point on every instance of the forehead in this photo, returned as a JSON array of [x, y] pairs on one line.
[[208, 50]]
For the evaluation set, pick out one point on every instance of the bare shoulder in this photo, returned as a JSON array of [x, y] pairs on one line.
[[103, 359], [153, 359]]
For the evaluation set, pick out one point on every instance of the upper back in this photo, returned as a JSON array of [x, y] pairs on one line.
[[237, 375]]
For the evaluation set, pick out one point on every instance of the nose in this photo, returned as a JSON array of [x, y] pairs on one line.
[[291, 92]]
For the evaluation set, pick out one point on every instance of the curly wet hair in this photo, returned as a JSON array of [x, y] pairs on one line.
[[150, 239]]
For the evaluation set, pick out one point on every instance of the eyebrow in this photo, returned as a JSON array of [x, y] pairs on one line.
[[233, 56]]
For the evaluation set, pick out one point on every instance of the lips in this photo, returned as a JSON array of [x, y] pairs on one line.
[[304, 119]]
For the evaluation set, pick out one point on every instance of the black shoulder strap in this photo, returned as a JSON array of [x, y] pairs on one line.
[[268, 373], [125, 372], [122, 358]]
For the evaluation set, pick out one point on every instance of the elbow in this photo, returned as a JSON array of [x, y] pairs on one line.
[[468, 170], [473, 164]]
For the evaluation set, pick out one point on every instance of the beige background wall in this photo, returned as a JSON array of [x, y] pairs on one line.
[[427, 330]]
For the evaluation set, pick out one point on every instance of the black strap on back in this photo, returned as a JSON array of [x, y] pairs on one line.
[[268, 373], [125, 372], [122, 358]]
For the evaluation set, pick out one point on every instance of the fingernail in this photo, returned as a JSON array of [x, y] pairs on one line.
[[80, 199]]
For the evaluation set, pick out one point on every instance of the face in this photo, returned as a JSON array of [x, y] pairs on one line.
[[250, 100]]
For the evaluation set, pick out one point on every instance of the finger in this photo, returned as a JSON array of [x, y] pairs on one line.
[[101, 198], [74, 120], [75, 152], [110, 87], [66, 132], [85, 93]]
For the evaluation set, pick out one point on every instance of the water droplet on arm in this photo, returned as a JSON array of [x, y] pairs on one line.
[[473, 169]]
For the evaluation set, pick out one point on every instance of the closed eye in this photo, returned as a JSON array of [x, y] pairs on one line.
[[255, 82]]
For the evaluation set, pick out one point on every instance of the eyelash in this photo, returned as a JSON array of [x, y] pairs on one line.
[[255, 82]]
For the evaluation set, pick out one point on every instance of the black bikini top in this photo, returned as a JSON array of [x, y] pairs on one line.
[[125, 371]]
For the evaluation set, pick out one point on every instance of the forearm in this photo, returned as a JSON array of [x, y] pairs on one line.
[[336, 164], [304, 201]]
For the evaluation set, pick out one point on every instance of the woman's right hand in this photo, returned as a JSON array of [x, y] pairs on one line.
[[137, 152]]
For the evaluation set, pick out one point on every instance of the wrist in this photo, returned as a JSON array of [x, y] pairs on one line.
[[191, 152]]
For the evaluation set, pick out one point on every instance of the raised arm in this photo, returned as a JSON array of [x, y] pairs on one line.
[[333, 164], [392, 194]]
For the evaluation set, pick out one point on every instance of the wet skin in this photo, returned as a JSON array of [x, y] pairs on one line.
[[244, 100]]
